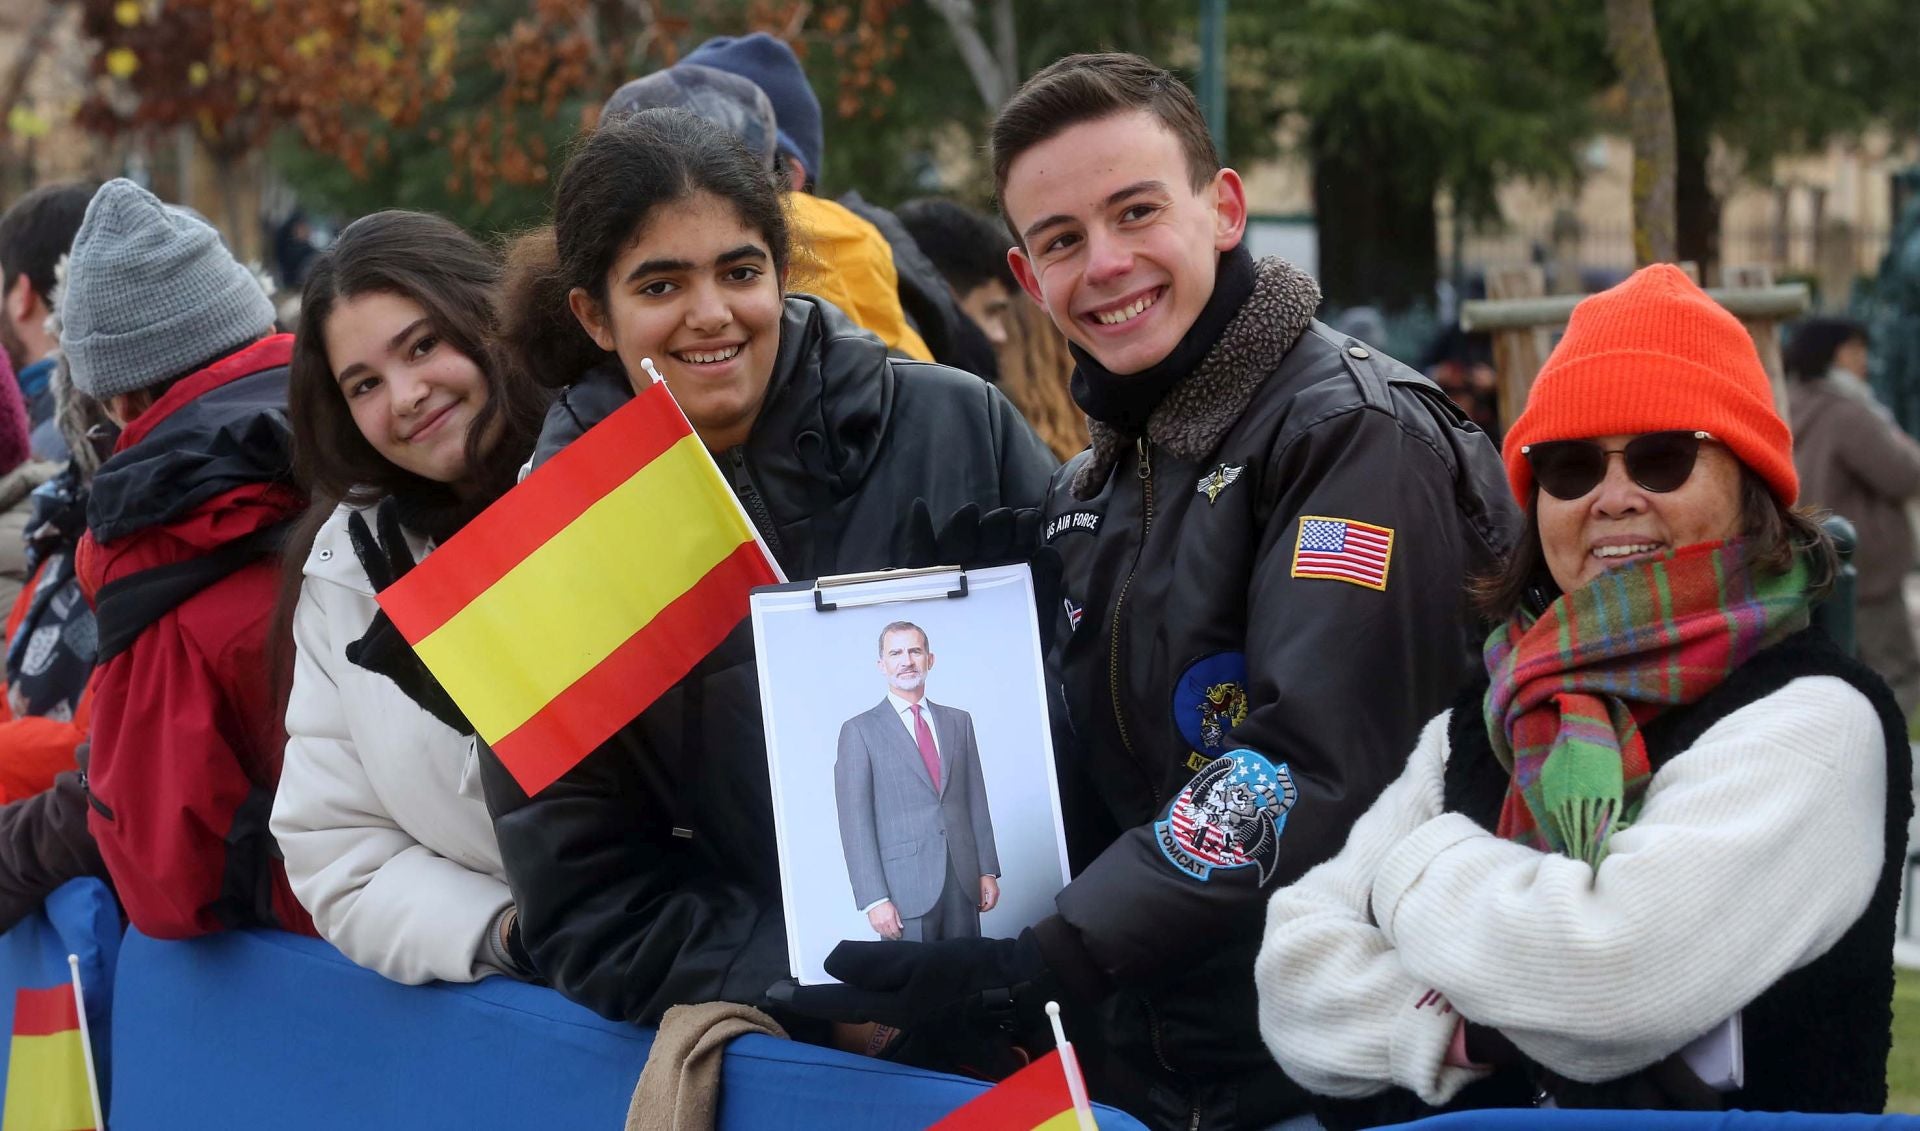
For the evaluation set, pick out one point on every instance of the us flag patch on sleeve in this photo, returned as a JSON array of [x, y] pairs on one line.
[[1341, 549]]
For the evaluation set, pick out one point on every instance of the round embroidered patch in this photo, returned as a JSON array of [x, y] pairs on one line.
[[1209, 700], [1229, 816]]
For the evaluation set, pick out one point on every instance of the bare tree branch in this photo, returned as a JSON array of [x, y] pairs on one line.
[[994, 82], [32, 49], [1634, 42], [1005, 46]]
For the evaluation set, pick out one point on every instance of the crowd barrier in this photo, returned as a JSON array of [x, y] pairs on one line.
[[1534, 1119], [263, 1029]]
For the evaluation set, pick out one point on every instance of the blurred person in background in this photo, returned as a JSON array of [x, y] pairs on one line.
[[19, 476], [1034, 367], [1855, 461], [44, 840], [34, 237], [969, 249], [772, 66], [1037, 376]]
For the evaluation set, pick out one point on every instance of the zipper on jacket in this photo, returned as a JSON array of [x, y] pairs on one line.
[[1160, 1054], [1144, 472], [750, 499]]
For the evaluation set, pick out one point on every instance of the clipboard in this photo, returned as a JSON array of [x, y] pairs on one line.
[[880, 587], [817, 645]]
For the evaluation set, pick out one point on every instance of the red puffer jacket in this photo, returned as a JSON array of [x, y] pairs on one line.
[[184, 522]]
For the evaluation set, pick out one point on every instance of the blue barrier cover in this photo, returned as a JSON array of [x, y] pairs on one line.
[[262, 1029], [79, 918], [1535, 1119]]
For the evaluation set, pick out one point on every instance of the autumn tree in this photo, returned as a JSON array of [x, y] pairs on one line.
[[343, 73]]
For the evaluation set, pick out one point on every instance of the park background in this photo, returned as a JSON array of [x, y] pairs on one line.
[[1405, 151]]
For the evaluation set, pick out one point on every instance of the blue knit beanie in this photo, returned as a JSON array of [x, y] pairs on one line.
[[772, 66], [151, 294]]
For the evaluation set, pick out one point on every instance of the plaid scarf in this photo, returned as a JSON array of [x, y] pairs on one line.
[[1571, 689]]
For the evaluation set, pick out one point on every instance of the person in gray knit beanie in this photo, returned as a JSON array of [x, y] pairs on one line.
[[733, 103], [152, 294]]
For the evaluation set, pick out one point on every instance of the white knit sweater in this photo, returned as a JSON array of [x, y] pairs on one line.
[[1755, 850]]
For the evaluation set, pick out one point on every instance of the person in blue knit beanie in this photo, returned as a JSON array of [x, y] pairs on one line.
[[774, 68]]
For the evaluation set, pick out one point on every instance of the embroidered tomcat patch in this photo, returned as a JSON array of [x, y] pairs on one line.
[[1343, 549], [1229, 816]]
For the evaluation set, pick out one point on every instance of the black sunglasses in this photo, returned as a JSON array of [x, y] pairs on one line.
[[1658, 461]]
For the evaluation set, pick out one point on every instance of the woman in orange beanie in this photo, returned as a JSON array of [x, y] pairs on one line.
[[1651, 859]]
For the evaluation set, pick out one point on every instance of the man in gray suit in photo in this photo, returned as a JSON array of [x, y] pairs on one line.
[[913, 805]]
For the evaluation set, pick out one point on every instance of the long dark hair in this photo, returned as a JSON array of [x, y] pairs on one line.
[[452, 276], [1776, 534], [615, 180]]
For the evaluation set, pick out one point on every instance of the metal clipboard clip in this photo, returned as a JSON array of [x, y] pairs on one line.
[[888, 586]]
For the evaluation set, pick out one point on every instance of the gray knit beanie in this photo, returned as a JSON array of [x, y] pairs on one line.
[[151, 294]]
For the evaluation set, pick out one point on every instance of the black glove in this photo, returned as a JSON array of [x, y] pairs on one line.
[[381, 649], [998, 982], [972, 539], [1668, 1085]]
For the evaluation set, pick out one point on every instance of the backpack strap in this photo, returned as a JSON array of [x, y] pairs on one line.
[[125, 607]]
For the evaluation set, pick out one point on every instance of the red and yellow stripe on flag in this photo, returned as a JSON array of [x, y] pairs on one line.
[[47, 1087], [1036, 1098], [567, 607]]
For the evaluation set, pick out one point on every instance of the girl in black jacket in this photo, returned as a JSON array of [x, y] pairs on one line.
[[647, 876]]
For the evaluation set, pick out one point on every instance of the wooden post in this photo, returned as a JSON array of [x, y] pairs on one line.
[[1518, 351]]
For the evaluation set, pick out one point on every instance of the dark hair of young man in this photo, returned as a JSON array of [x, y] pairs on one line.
[[1812, 345], [1087, 88], [38, 230], [966, 246]]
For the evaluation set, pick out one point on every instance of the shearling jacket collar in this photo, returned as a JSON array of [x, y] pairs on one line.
[[1200, 410]]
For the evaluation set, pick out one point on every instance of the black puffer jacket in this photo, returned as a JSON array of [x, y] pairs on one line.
[[1210, 606], [646, 876]]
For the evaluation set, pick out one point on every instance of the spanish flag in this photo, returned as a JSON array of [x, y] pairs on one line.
[[1039, 1097], [48, 1086], [566, 608]]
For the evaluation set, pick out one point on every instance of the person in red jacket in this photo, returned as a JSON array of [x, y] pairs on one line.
[[175, 338]]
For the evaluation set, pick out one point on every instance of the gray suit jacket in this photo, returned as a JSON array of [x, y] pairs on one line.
[[897, 828]]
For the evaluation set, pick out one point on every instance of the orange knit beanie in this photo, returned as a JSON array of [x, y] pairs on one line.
[[1651, 355]]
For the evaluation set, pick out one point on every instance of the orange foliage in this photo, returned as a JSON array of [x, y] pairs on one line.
[[345, 71], [235, 70]]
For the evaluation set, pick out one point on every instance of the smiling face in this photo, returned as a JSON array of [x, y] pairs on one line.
[[1115, 242], [695, 291], [411, 393], [1620, 521], [905, 661]]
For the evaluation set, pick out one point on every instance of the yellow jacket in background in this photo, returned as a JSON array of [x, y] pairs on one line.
[[845, 260]]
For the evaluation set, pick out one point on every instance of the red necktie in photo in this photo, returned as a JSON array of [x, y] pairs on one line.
[[928, 752]]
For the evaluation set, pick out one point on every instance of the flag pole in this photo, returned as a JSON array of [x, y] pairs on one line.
[[86, 1042], [1076, 1086], [653, 371]]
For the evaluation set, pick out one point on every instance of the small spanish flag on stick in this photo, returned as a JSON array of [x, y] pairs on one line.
[[50, 1082], [1047, 1095], [567, 607]]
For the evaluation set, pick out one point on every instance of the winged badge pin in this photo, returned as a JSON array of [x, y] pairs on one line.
[[1218, 480]]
